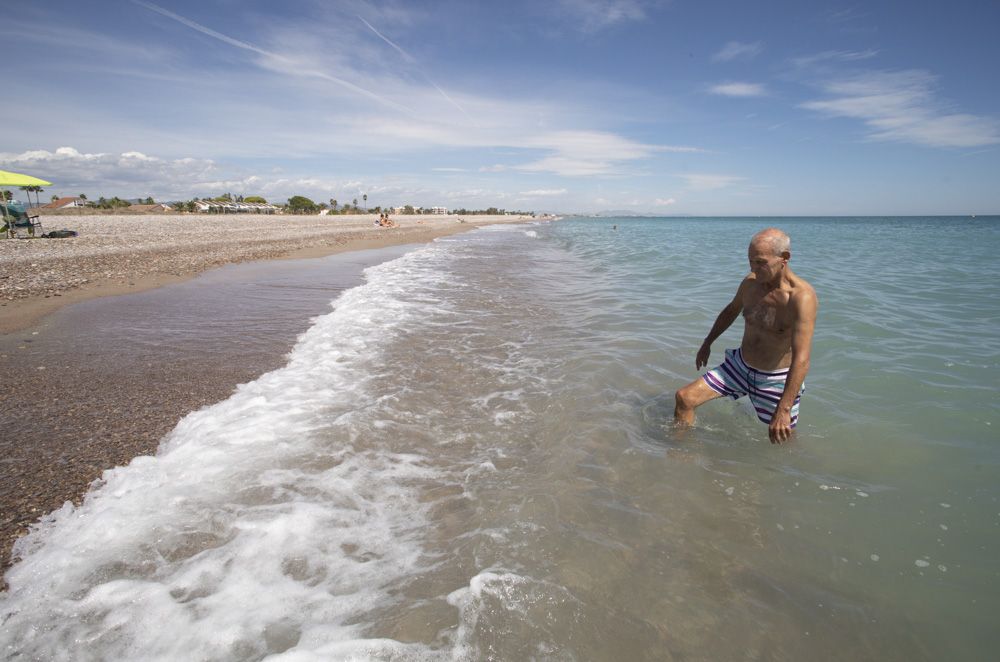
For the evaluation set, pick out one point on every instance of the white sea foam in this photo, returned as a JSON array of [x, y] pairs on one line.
[[260, 500], [520, 602], [502, 387]]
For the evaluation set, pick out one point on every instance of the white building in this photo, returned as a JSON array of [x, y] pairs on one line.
[[66, 203]]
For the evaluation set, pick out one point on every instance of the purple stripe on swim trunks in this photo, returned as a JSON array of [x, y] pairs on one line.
[[717, 386], [735, 378], [733, 374]]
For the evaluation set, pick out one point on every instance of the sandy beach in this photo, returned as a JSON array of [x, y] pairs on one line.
[[80, 398], [117, 254]]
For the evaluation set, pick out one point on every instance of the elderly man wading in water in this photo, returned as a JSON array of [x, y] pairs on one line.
[[779, 314]]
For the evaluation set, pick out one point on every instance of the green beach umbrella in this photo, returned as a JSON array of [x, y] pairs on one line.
[[17, 179]]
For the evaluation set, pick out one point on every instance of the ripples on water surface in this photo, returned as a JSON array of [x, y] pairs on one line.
[[471, 458]]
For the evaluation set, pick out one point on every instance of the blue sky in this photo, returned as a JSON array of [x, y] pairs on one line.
[[682, 107]]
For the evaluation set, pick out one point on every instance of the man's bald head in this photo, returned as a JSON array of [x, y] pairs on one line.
[[774, 239]]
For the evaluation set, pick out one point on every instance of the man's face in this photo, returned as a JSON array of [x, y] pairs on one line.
[[764, 264]]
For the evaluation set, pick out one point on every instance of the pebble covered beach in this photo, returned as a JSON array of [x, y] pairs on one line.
[[76, 406], [113, 254]]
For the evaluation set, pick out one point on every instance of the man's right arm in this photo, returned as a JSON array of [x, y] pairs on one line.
[[722, 322]]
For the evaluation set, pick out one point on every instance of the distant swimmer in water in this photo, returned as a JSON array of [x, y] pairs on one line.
[[614, 227], [770, 366]]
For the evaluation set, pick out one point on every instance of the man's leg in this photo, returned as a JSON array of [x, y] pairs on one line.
[[690, 398]]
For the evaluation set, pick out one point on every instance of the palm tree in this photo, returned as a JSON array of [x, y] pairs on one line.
[[355, 203], [365, 198], [333, 204], [36, 189]]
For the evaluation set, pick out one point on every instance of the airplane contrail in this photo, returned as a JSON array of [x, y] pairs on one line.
[[406, 56], [275, 56], [412, 60]]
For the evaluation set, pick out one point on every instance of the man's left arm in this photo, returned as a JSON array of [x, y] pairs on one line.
[[804, 304]]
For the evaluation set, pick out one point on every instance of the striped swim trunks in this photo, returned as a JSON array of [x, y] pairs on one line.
[[764, 387]]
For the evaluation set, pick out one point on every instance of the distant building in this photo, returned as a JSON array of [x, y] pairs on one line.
[[439, 210], [65, 203], [158, 208], [229, 207]]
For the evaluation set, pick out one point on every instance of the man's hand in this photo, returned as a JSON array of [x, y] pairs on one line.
[[702, 358], [780, 428]]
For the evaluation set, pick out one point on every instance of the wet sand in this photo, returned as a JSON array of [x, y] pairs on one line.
[[130, 253], [91, 386]]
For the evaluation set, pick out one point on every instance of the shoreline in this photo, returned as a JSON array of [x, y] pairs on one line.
[[88, 388], [125, 254]]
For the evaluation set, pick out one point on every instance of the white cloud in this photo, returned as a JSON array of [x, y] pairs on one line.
[[541, 193], [901, 106], [660, 202], [586, 153], [736, 49], [594, 15], [128, 174], [132, 147], [833, 56], [739, 90], [135, 157], [255, 114], [707, 182], [282, 63], [476, 194], [134, 174]]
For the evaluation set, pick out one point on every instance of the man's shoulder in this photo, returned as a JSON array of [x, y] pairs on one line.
[[804, 290], [803, 297], [801, 287]]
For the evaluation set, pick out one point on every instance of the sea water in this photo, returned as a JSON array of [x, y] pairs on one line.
[[471, 457]]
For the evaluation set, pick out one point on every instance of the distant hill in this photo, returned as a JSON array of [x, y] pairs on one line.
[[626, 213]]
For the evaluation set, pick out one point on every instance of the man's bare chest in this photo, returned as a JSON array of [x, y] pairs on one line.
[[768, 311]]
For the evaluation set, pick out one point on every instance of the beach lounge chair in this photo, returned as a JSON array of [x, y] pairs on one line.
[[18, 222]]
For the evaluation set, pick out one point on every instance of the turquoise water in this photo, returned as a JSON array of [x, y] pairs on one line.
[[472, 457]]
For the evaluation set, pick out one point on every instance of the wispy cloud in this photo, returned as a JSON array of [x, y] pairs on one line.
[[587, 153], [845, 15], [739, 90], [901, 106], [595, 15], [499, 123], [126, 173], [273, 60], [135, 174], [738, 50], [413, 61], [708, 182], [544, 193], [664, 202], [833, 56]]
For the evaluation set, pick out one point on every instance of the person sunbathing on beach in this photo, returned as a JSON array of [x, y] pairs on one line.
[[770, 366]]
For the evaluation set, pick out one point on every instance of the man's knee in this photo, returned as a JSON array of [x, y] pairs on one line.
[[684, 398], [694, 395]]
